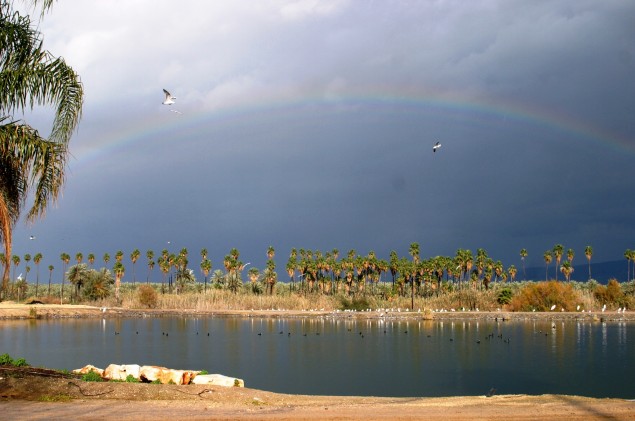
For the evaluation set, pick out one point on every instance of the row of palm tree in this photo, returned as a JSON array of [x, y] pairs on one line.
[[327, 273]]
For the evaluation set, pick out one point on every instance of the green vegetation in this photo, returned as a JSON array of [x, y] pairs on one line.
[[5, 359], [330, 281], [92, 376]]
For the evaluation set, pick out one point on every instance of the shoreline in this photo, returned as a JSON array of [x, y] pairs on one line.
[[17, 311]]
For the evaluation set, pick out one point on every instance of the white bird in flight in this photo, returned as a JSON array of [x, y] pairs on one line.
[[436, 146], [169, 99]]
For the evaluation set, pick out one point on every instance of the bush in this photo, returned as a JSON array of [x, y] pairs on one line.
[[612, 295], [20, 362], [357, 304], [540, 296], [92, 376], [147, 296], [504, 296], [5, 359], [131, 379]]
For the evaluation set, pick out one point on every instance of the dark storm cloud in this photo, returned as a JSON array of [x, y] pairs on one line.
[[301, 128]]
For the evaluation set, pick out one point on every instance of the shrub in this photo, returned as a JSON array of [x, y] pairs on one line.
[[354, 304], [540, 296], [5, 359], [504, 296], [612, 294], [92, 376], [131, 379], [203, 372], [147, 296], [20, 362]]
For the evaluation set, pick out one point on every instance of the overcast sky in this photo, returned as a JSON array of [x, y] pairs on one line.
[[310, 124]]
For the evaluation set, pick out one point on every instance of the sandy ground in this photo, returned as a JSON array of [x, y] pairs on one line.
[[49, 396]]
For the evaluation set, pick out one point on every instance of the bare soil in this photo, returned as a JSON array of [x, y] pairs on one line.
[[28, 393]]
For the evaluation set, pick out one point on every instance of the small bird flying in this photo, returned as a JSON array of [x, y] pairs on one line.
[[169, 99], [436, 146]]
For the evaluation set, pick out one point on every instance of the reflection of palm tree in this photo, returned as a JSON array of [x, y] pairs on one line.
[[29, 76]]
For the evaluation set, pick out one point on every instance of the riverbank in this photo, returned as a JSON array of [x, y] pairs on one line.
[[33, 395], [10, 310]]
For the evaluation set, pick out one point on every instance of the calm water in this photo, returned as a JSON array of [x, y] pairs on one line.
[[346, 357]]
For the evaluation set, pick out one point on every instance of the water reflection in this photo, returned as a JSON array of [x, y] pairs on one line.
[[348, 356]]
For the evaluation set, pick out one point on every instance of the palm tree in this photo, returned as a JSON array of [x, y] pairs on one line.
[[106, 259], [206, 267], [558, 249], [150, 257], [628, 254], [50, 276], [119, 271], [118, 256], [65, 258], [27, 259], [523, 254], [31, 165], [203, 253], [270, 252], [512, 272], [77, 275], [36, 260], [567, 269], [133, 257], [548, 258], [570, 255], [588, 252], [16, 262]]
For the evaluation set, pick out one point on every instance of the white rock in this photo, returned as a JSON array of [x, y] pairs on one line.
[[218, 380]]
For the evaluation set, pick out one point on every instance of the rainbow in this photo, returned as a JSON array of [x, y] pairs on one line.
[[481, 112]]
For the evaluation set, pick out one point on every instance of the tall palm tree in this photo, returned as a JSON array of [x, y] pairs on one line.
[[31, 165], [548, 258], [270, 252], [106, 259], [150, 257], [588, 252], [27, 259], [118, 256], [51, 267], [91, 259], [206, 267], [512, 272], [628, 254], [79, 257], [523, 254], [134, 255], [16, 262], [65, 258], [558, 250], [119, 271], [570, 255], [203, 253], [36, 260]]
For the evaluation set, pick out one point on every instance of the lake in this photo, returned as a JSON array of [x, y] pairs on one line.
[[326, 356]]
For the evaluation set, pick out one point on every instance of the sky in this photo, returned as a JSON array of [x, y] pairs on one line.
[[310, 124]]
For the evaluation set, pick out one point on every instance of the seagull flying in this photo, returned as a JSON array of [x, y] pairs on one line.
[[32, 237], [436, 146], [169, 99]]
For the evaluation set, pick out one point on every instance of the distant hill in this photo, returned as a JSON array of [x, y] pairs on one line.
[[601, 272]]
